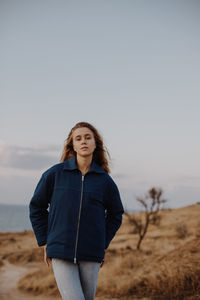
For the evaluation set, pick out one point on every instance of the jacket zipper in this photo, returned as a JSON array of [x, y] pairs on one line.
[[79, 216]]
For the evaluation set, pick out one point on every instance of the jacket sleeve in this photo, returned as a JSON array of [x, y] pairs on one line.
[[38, 208], [114, 211]]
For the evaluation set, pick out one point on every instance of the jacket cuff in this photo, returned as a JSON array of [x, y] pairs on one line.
[[41, 242]]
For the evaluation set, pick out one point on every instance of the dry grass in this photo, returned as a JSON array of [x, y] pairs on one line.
[[39, 282], [1, 262], [20, 248], [166, 267]]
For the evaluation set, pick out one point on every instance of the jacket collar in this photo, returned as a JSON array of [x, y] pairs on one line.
[[70, 164]]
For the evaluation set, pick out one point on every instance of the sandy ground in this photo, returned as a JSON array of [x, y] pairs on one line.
[[9, 276]]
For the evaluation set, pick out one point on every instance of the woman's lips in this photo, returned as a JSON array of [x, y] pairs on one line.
[[84, 148]]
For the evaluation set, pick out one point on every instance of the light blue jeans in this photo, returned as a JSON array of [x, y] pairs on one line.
[[76, 281]]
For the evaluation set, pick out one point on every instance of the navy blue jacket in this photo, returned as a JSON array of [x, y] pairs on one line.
[[76, 216]]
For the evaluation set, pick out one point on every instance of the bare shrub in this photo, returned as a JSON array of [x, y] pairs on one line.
[[181, 231], [152, 204], [156, 219]]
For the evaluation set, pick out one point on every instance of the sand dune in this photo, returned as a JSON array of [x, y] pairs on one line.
[[166, 267]]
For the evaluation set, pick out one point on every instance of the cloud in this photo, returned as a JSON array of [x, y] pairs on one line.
[[28, 158]]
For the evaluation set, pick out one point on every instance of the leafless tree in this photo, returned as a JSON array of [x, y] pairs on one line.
[[152, 204]]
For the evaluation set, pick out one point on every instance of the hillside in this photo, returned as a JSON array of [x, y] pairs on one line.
[[166, 267]]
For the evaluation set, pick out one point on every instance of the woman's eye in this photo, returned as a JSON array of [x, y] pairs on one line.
[[79, 139]]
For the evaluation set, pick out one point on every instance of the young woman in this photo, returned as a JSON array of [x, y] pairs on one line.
[[76, 211]]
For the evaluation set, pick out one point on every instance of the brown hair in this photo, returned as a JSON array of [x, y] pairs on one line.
[[100, 154]]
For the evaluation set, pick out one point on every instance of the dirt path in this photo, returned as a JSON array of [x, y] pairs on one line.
[[10, 275]]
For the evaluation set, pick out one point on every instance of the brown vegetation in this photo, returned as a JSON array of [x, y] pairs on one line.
[[47, 284], [181, 231], [1, 262], [19, 248], [167, 267]]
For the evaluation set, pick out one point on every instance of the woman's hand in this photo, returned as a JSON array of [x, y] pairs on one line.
[[47, 260]]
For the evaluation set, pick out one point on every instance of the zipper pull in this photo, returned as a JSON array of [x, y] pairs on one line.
[[83, 177], [74, 260]]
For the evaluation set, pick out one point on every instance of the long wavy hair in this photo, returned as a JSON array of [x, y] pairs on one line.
[[100, 154]]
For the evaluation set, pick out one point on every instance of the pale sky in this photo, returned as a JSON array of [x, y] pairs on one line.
[[131, 68]]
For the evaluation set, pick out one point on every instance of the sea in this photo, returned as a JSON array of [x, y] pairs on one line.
[[14, 218]]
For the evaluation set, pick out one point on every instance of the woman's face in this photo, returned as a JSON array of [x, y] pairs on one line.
[[83, 141]]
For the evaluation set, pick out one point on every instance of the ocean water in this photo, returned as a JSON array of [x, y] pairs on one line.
[[14, 218]]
